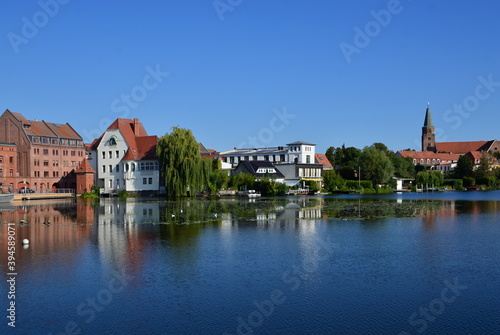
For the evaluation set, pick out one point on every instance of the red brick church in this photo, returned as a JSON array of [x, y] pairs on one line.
[[444, 155]]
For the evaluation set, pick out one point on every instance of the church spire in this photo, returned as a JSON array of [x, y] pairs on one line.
[[428, 117], [428, 135]]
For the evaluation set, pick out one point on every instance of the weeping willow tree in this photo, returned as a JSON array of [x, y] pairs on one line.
[[182, 167]]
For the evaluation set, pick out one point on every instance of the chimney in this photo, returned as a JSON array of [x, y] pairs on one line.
[[136, 127]]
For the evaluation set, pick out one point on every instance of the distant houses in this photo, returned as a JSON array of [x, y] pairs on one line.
[[47, 156], [297, 161]]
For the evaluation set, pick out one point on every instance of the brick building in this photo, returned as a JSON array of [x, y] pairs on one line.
[[47, 153], [8, 166]]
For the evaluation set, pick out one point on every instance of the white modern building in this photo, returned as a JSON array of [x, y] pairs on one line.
[[296, 161], [124, 158]]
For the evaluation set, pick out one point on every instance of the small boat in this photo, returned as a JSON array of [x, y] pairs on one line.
[[6, 198]]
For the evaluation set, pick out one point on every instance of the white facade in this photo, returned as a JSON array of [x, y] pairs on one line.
[[110, 152], [113, 173], [296, 152]]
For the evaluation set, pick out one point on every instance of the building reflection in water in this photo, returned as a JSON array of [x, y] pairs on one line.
[[120, 227]]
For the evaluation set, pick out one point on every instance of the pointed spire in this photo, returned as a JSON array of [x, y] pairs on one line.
[[428, 117]]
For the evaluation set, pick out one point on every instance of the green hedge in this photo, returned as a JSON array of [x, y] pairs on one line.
[[355, 183]]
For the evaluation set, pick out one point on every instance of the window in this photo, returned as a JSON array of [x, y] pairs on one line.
[[246, 158], [111, 154], [308, 159], [55, 141], [144, 181], [45, 151], [73, 153], [45, 140], [117, 168], [46, 174], [110, 183], [132, 166], [148, 166], [45, 163], [104, 168], [1, 159], [103, 155], [11, 159], [117, 182], [282, 158], [150, 181], [117, 154], [110, 168], [1, 172], [112, 140]]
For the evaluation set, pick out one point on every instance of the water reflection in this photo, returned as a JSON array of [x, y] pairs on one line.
[[116, 225]]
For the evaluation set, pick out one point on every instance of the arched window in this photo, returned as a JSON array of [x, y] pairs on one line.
[[112, 140], [428, 161]]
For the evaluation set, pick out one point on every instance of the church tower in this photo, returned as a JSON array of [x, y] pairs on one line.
[[428, 135]]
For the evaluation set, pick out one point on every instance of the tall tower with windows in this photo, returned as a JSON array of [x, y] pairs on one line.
[[428, 135]]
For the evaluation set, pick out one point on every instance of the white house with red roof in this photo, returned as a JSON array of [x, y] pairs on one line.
[[124, 158]]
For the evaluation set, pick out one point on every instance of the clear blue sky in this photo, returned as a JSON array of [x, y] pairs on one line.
[[232, 69]]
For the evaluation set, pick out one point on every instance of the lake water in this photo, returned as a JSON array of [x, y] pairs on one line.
[[396, 264]]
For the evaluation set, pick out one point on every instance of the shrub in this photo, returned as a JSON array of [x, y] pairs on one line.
[[458, 184], [469, 181]]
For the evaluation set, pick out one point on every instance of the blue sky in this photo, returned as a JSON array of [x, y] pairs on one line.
[[261, 72]]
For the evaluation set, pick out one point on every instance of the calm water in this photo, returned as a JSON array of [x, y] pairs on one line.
[[398, 264]]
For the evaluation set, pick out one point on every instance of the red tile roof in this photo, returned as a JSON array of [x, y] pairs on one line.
[[461, 147], [47, 129], [321, 159], [85, 167], [140, 145]]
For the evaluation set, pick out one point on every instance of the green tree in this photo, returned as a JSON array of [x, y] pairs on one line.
[[219, 180], [484, 168], [242, 181], [464, 168], [330, 155], [403, 167], [332, 181], [375, 165], [180, 162], [430, 178], [382, 147]]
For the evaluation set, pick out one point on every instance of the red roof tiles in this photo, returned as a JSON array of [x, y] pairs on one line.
[[321, 159], [461, 147]]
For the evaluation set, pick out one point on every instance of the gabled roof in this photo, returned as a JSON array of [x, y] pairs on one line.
[[145, 149], [462, 147], [130, 129], [321, 159], [140, 145], [253, 166], [85, 167], [476, 156], [47, 129]]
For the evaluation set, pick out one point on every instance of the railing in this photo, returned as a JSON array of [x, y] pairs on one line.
[[44, 191]]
